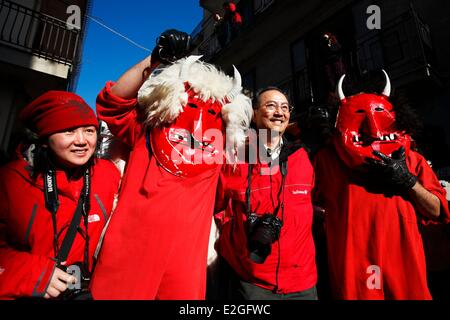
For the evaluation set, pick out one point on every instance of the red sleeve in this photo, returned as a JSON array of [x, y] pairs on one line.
[[429, 181], [21, 274], [119, 113]]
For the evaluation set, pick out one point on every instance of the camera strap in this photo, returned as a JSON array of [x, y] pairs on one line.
[[83, 207], [52, 203]]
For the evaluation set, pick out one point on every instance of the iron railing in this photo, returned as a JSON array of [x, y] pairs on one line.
[[39, 34], [248, 9]]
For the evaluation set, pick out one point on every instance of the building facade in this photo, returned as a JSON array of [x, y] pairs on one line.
[[280, 44], [40, 50]]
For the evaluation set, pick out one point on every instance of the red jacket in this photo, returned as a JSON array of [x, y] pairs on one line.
[[371, 235], [26, 228], [295, 248]]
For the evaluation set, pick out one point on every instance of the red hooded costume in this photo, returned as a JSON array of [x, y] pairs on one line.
[[156, 244], [375, 250]]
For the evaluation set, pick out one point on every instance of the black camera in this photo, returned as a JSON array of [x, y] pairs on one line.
[[262, 231]]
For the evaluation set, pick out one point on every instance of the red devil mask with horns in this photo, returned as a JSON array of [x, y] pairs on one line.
[[194, 142], [366, 123]]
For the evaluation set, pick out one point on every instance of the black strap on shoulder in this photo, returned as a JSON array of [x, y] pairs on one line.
[[71, 233], [52, 204], [82, 209], [51, 191]]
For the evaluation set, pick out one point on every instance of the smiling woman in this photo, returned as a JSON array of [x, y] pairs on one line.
[[74, 147], [50, 228]]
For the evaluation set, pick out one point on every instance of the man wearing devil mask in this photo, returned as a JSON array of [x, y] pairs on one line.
[[174, 119], [375, 191]]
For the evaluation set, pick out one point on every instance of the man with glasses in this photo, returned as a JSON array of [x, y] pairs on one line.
[[264, 211]]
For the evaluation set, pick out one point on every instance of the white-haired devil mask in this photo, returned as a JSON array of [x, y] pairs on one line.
[[188, 106]]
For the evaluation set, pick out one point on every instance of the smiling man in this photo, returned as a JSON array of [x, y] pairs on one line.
[[264, 211]]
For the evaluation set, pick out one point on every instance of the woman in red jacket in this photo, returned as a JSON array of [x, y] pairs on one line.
[[54, 201]]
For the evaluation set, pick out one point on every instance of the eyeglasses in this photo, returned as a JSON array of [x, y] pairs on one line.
[[272, 105]]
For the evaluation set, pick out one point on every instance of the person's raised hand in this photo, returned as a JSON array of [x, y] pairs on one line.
[[171, 45]]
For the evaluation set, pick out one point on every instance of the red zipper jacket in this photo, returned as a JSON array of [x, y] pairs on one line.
[[26, 227], [290, 267]]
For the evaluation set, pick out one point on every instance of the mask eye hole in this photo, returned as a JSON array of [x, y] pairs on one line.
[[379, 109], [359, 111], [211, 111], [192, 105]]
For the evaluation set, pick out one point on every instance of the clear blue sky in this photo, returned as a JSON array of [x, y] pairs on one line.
[[106, 56]]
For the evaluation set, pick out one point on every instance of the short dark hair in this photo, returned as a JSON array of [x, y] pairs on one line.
[[258, 94]]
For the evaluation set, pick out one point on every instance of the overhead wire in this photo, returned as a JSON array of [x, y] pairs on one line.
[[102, 24]]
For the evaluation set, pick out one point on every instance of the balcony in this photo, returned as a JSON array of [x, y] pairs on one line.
[[249, 9], [402, 46], [34, 40]]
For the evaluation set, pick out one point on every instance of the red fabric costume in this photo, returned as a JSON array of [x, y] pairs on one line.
[[375, 250], [156, 244], [365, 229], [295, 248], [26, 229]]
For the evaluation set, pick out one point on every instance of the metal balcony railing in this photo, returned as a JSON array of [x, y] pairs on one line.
[[36, 33], [248, 9]]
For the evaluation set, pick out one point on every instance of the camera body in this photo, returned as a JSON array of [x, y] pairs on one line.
[[262, 231]]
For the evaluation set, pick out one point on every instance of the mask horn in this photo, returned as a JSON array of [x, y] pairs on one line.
[[184, 72], [237, 85], [387, 88], [339, 88]]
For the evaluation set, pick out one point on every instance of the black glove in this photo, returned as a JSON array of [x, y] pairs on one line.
[[393, 171], [171, 45]]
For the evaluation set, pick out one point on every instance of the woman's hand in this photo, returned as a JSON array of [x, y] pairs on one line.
[[58, 283]]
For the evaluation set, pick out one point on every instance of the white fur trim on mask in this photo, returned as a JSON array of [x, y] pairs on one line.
[[237, 116], [162, 96]]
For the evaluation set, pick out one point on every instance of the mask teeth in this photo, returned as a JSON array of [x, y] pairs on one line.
[[356, 138], [388, 137]]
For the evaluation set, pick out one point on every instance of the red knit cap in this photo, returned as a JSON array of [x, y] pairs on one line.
[[56, 111]]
